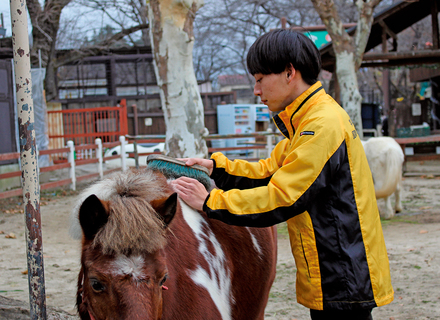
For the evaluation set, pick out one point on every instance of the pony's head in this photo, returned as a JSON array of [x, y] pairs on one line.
[[123, 268]]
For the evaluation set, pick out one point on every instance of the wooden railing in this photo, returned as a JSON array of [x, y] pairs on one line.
[[420, 148], [258, 148], [94, 154]]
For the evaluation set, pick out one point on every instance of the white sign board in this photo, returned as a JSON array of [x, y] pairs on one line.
[[416, 109], [148, 122]]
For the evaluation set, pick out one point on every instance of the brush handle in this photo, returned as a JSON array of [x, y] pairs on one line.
[[161, 157]]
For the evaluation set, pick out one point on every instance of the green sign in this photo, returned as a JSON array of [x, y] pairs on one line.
[[319, 38]]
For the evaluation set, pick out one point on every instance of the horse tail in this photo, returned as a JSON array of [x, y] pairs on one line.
[[393, 173]]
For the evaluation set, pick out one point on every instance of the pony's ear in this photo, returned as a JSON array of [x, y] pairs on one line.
[[92, 216], [166, 207]]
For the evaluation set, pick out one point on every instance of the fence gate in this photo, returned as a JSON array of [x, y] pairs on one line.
[[83, 126]]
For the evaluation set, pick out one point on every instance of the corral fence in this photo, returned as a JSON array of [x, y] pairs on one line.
[[258, 145], [94, 151], [253, 147]]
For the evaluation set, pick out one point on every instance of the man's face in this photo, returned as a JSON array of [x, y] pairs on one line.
[[273, 90]]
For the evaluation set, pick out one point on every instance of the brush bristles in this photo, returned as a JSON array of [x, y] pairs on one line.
[[174, 170]]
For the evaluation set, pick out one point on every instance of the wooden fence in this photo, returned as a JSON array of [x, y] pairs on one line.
[[96, 151], [95, 155], [260, 147]]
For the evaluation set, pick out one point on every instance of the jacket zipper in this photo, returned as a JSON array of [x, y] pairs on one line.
[[304, 253]]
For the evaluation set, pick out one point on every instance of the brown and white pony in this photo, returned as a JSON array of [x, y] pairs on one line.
[[147, 255]]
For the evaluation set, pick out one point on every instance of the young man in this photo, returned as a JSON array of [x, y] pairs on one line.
[[317, 179]]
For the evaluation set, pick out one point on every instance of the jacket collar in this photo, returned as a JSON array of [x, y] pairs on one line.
[[283, 120]]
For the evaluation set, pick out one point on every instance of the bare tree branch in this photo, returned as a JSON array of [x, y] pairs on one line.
[[88, 51]]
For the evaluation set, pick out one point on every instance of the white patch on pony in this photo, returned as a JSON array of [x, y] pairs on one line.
[[128, 266], [255, 243], [216, 280]]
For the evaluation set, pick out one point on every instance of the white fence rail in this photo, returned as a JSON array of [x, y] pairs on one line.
[[129, 152]]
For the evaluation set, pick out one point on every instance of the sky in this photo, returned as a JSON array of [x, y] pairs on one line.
[[5, 9], [94, 20]]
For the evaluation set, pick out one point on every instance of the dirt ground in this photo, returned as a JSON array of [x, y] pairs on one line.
[[412, 238]]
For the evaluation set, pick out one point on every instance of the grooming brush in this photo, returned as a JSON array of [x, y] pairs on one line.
[[173, 169]]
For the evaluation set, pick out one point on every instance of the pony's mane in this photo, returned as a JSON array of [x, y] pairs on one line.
[[133, 225]]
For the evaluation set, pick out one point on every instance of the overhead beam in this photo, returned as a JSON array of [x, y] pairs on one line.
[[369, 56], [403, 62], [387, 29], [390, 59]]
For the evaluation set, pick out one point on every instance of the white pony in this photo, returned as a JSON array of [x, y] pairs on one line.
[[385, 158]]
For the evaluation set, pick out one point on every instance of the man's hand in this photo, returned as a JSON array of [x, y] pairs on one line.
[[208, 164], [191, 191]]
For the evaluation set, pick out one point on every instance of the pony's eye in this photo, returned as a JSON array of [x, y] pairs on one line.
[[96, 285], [163, 280]]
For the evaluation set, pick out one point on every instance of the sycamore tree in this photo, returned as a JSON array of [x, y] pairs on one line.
[[171, 37], [45, 19], [231, 26], [172, 41], [349, 51], [225, 29], [46, 24], [170, 34]]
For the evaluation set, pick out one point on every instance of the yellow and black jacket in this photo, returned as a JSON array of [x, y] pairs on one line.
[[318, 180]]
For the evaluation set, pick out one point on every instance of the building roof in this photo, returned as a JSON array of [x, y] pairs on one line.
[[393, 19], [234, 79]]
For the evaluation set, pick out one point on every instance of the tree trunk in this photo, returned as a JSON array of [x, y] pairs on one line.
[[348, 51], [45, 25], [172, 40], [351, 99]]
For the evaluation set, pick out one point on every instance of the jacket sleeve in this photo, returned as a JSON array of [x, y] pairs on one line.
[[241, 174], [302, 175]]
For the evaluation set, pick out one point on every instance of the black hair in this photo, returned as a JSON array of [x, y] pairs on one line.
[[274, 51]]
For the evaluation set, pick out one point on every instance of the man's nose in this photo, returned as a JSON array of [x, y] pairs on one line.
[[257, 90]]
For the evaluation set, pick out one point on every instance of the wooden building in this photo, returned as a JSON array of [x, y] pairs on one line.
[[386, 25], [126, 73]]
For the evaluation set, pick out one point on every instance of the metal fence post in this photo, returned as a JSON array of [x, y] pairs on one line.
[[98, 142], [123, 160], [71, 160], [29, 160], [269, 142], [136, 154]]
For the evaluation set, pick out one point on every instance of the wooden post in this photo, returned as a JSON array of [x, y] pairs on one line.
[[283, 22], [385, 79], [98, 142], [71, 160], [434, 19], [135, 120], [136, 154], [123, 160], [28, 157]]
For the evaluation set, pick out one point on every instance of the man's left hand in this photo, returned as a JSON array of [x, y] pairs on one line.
[[191, 191]]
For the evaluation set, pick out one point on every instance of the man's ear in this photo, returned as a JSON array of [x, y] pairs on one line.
[[290, 72]]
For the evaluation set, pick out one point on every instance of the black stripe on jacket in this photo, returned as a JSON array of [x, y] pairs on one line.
[[332, 207], [226, 181]]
